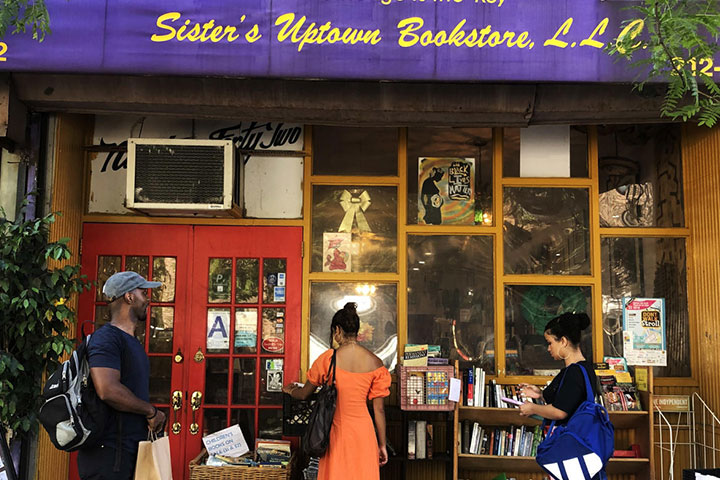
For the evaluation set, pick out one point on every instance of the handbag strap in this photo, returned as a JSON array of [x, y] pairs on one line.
[[588, 389], [331, 369]]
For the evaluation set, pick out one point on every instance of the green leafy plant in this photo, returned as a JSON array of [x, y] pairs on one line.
[[34, 314], [19, 15], [675, 42]]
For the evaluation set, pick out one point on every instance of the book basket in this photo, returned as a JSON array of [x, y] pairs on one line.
[[200, 471], [426, 388]]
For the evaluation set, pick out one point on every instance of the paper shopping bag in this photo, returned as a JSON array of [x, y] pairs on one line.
[[153, 460]]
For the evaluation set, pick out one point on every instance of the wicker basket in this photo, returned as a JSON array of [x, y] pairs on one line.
[[410, 374], [200, 471]]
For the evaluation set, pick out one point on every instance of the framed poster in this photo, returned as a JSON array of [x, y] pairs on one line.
[[337, 252], [446, 191], [644, 331]]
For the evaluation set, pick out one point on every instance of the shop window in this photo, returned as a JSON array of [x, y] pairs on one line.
[[647, 268], [164, 271], [160, 370], [355, 151], [462, 159], [162, 322], [514, 139], [528, 308], [450, 296], [640, 176], [354, 229], [546, 231], [376, 307], [107, 267]]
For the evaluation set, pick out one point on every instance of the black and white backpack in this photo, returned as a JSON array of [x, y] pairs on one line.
[[73, 414]]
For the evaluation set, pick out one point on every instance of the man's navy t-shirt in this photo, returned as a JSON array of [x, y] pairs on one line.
[[111, 347]]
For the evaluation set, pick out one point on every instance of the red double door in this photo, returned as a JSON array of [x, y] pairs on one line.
[[222, 333]]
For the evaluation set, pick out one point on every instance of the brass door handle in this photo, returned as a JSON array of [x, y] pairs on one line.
[[177, 401], [195, 403]]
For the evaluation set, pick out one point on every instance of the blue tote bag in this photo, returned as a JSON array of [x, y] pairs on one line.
[[581, 448]]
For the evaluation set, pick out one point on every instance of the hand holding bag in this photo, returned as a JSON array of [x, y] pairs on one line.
[[582, 448], [153, 460], [317, 436]]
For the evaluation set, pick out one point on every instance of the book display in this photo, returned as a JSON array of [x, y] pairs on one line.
[[493, 439]]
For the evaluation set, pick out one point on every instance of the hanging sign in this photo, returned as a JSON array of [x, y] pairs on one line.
[[246, 328], [273, 344], [644, 331], [218, 328]]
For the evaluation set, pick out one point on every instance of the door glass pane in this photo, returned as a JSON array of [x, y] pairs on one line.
[[546, 231], [464, 142], [528, 308], [139, 265], [245, 418], [243, 381], [106, 267], [274, 270], [247, 271], [216, 381], [355, 150], [640, 176], [160, 370], [273, 330], [450, 284], [647, 268], [162, 321], [377, 309], [354, 229], [164, 271], [246, 328], [218, 330], [140, 331], [271, 381], [215, 419], [270, 423], [219, 286], [578, 152], [102, 315]]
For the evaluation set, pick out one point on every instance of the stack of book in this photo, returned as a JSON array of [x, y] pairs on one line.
[[420, 440], [619, 393], [477, 392], [510, 441]]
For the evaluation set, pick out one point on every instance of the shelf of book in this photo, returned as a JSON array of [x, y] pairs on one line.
[[496, 416]]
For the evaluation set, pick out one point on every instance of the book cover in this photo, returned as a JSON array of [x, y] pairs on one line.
[[429, 441], [411, 439], [420, 440], [471, 388], [466, 436], [474, 438], [415, 384], [415, 355]]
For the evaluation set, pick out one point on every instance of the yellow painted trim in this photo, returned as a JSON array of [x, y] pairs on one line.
[[402, 303], [307, 254], [451, 229], [498, 253], [549, 280], [355, 277], [353, 180], [598, 335], [546, 182], [244, 222], [645, 232]]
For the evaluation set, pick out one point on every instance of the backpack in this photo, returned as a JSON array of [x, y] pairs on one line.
[[581, 448], [317, 436], [72, 413]]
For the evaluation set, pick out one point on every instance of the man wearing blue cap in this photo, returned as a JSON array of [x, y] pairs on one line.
[[120, 371]]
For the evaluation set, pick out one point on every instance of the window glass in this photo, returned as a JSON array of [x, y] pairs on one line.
[[546, 231], [528, 308], [247, 272], [640, 176], [354, 229], [376, 307], [355, 151], [274, 270], [450, 296], [219, 280], [162, 320], [453, 145], [107, 266], [578, 152], [164, 271], [647, 268]]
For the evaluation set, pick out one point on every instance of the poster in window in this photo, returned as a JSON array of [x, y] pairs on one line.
[[644, 331], [446, 189], [274, 369], [337, 252]]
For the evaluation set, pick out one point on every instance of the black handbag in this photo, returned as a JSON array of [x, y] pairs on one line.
[[317, 436]]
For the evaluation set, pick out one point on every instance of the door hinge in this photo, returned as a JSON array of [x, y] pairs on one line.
[[302, 248], [80, 248]]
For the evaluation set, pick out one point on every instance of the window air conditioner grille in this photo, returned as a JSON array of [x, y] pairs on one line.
[[179, 174]]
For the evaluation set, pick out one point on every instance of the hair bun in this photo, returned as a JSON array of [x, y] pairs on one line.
[[583, 320], [351, 307]]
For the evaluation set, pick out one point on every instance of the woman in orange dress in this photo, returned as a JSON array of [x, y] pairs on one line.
[[357, 448]]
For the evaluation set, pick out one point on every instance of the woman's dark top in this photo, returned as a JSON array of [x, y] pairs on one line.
[[573, 392]]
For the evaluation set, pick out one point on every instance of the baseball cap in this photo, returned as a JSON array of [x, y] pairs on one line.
[[122, 282]]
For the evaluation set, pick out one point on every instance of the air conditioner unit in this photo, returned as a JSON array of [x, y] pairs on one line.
[[183, 177]]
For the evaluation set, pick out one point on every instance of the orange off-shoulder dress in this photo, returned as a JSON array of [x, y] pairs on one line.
[[353, 450]]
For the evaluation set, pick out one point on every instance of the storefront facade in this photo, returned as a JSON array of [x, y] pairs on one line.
[[553, 194]]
